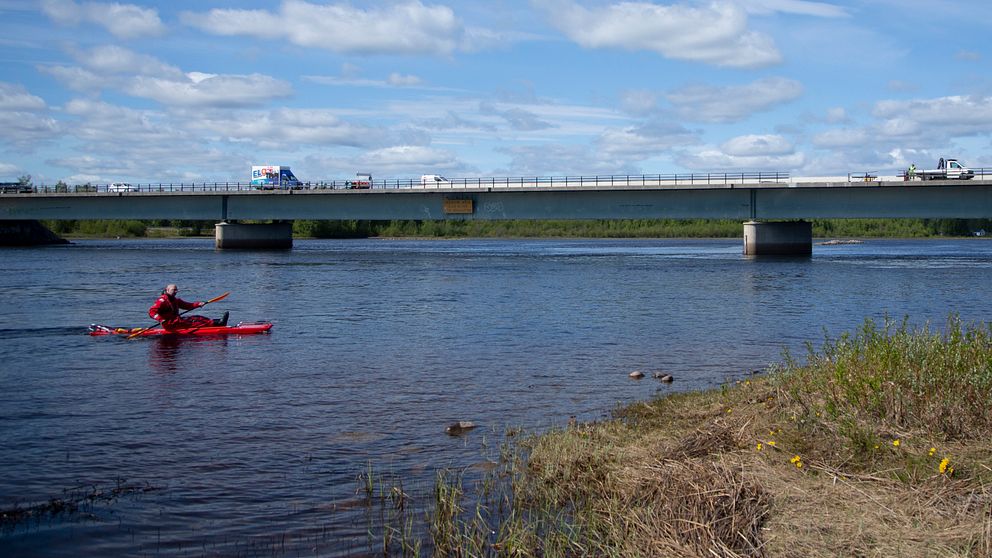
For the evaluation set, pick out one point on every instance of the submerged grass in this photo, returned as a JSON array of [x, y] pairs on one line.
[[877, 445]]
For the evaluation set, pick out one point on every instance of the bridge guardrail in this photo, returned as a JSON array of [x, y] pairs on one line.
[[641, 180]]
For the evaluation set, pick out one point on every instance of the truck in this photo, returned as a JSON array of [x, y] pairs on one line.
[[433, 181], [362, 181], [947, 169], [273, 177]]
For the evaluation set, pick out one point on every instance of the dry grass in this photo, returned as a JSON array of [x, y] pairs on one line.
[[861, 451]]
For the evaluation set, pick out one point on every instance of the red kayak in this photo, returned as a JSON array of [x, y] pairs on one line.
[[243, 328]]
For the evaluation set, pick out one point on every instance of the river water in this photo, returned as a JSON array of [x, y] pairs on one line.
[[252, 445]]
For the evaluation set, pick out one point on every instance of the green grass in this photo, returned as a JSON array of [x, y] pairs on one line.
[[877, 444]]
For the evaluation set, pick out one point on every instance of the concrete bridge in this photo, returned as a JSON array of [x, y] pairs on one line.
[[773, 207]]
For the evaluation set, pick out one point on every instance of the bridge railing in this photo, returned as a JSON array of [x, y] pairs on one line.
[[598, 181]]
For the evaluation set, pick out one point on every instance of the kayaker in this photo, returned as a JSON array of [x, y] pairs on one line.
[[167, 306]]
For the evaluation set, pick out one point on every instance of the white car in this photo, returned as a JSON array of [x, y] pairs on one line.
[[121, 187]]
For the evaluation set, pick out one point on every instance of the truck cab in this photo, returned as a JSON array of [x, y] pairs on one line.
[[955, 170]]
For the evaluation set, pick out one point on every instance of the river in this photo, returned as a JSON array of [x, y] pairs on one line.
[[252, 445]]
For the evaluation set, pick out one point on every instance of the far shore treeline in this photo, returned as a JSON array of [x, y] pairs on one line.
[[601, 228]]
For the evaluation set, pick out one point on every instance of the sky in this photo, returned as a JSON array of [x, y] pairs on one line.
[[184, 90]]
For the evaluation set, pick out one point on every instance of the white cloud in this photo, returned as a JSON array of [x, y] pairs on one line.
[[702, 103], [139, 75], [714, 33], [210, 90], [401, 80], [836, 115], [115, 60], [402, 28], [403, 158], [757, 145], [715, 159], [124, 21], [644, 142], [957, 115], [290, 128], [517, 118], [23, 117], [841, 137], [639, 101], [558, 159], [797, 7], [14, 96]]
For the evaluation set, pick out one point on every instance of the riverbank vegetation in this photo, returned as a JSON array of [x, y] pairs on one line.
[[875, 445], [603, 228]]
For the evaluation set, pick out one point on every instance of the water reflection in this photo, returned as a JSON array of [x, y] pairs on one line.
[[166, 353]]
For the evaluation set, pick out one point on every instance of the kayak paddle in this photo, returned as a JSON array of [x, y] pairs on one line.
[[214, 299]]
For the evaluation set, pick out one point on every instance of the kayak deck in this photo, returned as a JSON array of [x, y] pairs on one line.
[[243, 328]]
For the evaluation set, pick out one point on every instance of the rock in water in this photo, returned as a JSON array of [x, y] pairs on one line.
[[636, 374], [459, 427]]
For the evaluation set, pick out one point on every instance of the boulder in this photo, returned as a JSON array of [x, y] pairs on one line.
[[459, 427], [636, 374]]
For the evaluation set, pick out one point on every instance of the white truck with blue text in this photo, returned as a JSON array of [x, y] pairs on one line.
[[273, 177]]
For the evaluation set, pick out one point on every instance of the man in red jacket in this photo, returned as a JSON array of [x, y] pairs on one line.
[[166, 310]]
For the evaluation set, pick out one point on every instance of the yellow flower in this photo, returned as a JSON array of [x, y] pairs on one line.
[[932, 451], [895, 443], [795, 459], [771, 442], [759, 446], [943, 466], [728, 410]]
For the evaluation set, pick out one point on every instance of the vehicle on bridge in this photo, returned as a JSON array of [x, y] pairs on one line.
[[950, 169], [274, 177], [15, 188], [362, 181], [121, 187], [433, 181]]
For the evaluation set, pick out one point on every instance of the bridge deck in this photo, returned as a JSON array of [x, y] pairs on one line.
[[644, 200]]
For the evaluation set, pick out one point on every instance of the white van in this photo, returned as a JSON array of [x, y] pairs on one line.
[[121, 187], [433, 181]]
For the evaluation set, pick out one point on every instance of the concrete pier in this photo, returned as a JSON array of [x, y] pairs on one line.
[[788, 238], [272, 236]]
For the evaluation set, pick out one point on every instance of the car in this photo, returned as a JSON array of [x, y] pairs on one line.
[[121, 187]]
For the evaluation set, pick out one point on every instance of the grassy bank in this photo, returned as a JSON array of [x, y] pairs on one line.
[[877, 445]]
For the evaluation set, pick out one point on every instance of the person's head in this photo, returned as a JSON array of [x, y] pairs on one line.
[[171, 289]]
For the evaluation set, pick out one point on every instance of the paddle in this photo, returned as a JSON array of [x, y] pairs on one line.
[[214, 299]]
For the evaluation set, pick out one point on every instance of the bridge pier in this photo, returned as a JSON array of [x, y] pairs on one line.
[[278, 235], [784, 238]]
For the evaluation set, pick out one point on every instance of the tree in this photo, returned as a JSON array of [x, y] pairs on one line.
[[24, 180]]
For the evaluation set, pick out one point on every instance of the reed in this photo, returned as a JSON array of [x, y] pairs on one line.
[[875, 445]]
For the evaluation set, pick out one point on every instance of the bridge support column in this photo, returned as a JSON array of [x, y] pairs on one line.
[[788, 238], [265, 236]]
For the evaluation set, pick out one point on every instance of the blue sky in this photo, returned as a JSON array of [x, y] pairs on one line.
[[201, 90]]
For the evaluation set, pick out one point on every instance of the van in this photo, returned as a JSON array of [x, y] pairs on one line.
[[121, 187], [433, 181]]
